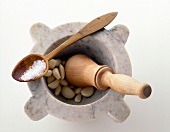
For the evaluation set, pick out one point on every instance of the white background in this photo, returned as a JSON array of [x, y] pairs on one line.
[[148, 47]]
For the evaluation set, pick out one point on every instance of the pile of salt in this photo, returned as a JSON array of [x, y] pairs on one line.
[[34, 71]]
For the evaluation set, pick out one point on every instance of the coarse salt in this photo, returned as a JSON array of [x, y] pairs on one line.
[[34, 71]]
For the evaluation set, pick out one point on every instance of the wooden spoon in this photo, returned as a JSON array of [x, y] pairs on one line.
[[90, 28], [82, 71]]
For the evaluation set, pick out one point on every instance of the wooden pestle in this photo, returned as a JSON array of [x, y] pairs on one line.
[[82, 71]]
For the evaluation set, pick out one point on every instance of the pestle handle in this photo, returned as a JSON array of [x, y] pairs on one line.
[[125, 84]]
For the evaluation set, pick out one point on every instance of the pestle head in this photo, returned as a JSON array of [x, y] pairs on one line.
[[81, 71]]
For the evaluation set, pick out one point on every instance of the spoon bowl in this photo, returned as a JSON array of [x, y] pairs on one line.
[[24, 65]]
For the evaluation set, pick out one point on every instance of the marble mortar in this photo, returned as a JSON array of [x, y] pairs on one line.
[[105, 47]]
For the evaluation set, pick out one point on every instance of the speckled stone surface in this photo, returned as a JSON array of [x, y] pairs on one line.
[[105, 47]]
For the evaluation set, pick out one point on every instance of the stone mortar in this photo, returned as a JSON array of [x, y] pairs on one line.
[[105, 47]]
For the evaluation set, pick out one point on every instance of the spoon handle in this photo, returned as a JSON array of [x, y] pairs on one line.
[[90, 28]]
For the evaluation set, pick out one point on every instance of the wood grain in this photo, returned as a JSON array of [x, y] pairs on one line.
[[82, 71], [91, 27]]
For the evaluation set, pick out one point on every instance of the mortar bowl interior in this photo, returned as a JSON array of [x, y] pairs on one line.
[[90, 46]]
